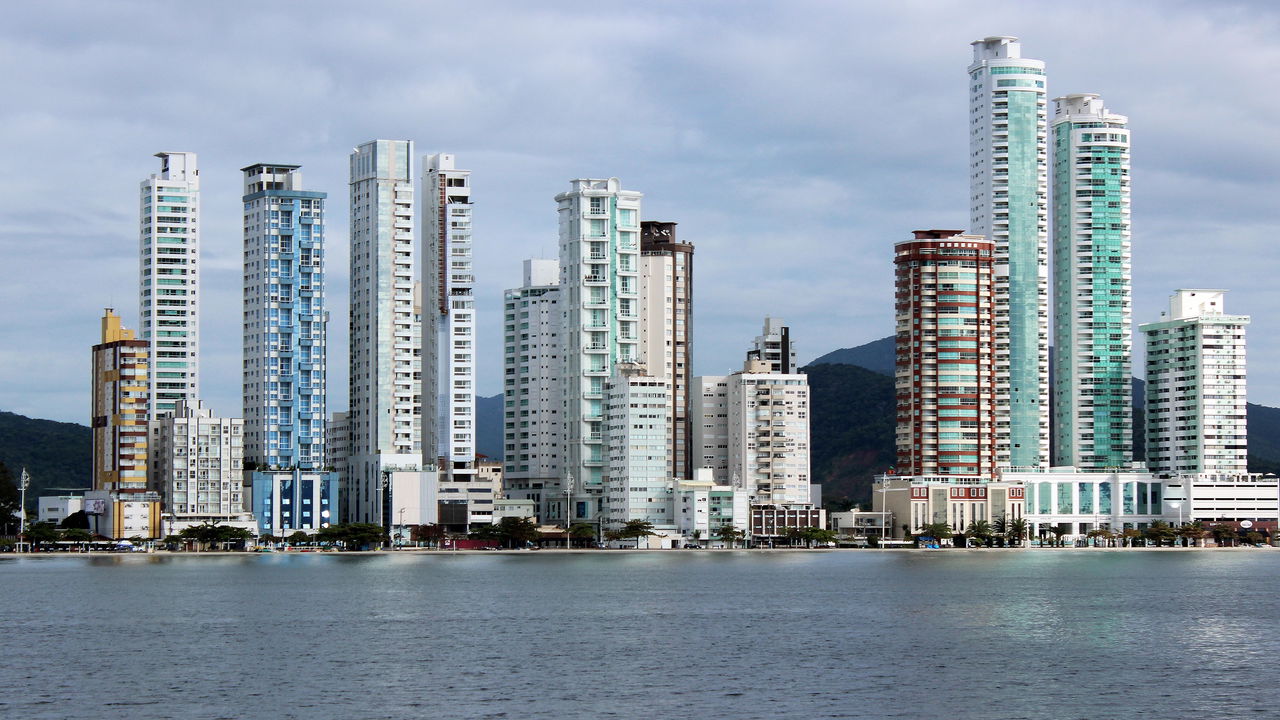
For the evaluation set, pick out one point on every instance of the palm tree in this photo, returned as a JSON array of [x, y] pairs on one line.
[[729, 534], [1097, 534], [939, 530], [1159, 532], [1018, 530], [978, 530], [1129, 536], [1223, 535], [1191, 533], [1057, 531], [1000, 529]]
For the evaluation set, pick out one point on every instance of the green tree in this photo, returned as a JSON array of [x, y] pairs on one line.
[[430, 534], [517, 531], [485, 532], [1018, 531], [818, 536], [1159, 533], [938, 530], [354, 536], [730, 535], [634, 529], [42, 533], [10, 502], [300, 537], [979, 530], [1254, 537], [581, 533], [1192, 533], [1000, 530], [1223, 535]]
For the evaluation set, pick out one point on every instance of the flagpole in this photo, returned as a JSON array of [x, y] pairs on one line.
[[22, 518]]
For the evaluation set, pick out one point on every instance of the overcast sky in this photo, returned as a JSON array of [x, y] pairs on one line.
[[793, 142]]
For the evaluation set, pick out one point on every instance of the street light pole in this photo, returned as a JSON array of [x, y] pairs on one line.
[[23, 483]]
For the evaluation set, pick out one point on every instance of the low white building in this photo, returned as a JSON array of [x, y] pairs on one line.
[[196, 464], [514, 508], [1247, 501], [55, 508], [701, 507], [1079, 500]]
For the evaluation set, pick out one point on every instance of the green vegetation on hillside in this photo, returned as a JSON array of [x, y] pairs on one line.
[[850, 430], [57, 455]]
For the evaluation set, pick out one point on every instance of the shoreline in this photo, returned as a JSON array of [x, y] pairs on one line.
[[618, 551]]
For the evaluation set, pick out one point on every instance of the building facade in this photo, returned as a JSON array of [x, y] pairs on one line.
[[120, 504], [636, 432], [775, 347], [169, 279], [1009, 205], [449, 320], [909, 503], [197, 468], [1092, 277], [384, 415], [532, 391], [666, 331], [285, 320], [1196, 387], [600, 312], [950, 418]]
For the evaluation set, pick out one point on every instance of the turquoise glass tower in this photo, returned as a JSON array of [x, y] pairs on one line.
[[1009, 205], [1093, 337]]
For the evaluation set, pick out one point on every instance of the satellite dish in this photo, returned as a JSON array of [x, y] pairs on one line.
[[1246, 524]]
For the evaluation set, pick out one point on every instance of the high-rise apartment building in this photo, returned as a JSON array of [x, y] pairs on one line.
[[1093, 396], [285, 321], [751, 429], [1196, 396], [666, 331], [600, 300], [1009, 205], [448, 320], [947, 378], [383, 419], [774, 347], [531, 389], [169, 279], [120, 504], [120, 408], [197, 467], [637, 433]]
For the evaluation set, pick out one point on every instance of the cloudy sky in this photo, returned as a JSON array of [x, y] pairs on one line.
[[793, 142]]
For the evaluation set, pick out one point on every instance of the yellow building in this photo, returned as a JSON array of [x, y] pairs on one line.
[[120, 500]]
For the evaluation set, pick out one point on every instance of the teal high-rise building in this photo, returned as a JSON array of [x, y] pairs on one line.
[[1092, 333], [1008, 181]]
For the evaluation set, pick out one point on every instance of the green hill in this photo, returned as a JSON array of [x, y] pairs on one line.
[[56, 454]]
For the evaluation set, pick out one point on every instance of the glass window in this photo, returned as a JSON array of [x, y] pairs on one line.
[[1104, 498], [1064, 497], [1084, 504]]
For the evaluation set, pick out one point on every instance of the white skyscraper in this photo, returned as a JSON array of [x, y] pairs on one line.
[[751, 428], [1196, 394], [449, 320], [532, 391], [1093, 340], [637, 433], [383, 420], [1008, 158], [600, 297], [169, 279]]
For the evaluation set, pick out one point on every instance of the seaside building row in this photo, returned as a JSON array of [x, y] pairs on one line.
[[971, 311]]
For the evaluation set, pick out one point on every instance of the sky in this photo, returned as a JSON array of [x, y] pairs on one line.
[[793, 142]]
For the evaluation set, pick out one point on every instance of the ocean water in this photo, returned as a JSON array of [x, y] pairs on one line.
[[845, 634]]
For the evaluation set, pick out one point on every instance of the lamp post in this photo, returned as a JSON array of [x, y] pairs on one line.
[[1178, 504], [400, 531], [23, 483]]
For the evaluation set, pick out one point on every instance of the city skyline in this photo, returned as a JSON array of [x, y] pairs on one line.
[[864, 185]]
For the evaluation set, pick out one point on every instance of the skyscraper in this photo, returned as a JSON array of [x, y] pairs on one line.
[[1196, 398], [532, 391], [600, 296], [773, 346], [1009, 205], [448, 319], [285, 321], [666, 332], [169, 279], [1093, 396], [946, 376], [384, 421], [120, 505], [285, 340]]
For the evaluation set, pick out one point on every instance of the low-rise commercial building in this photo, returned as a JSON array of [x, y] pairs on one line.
[[915, 501]]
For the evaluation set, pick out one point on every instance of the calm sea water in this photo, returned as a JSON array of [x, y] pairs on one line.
[[863, 634]]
